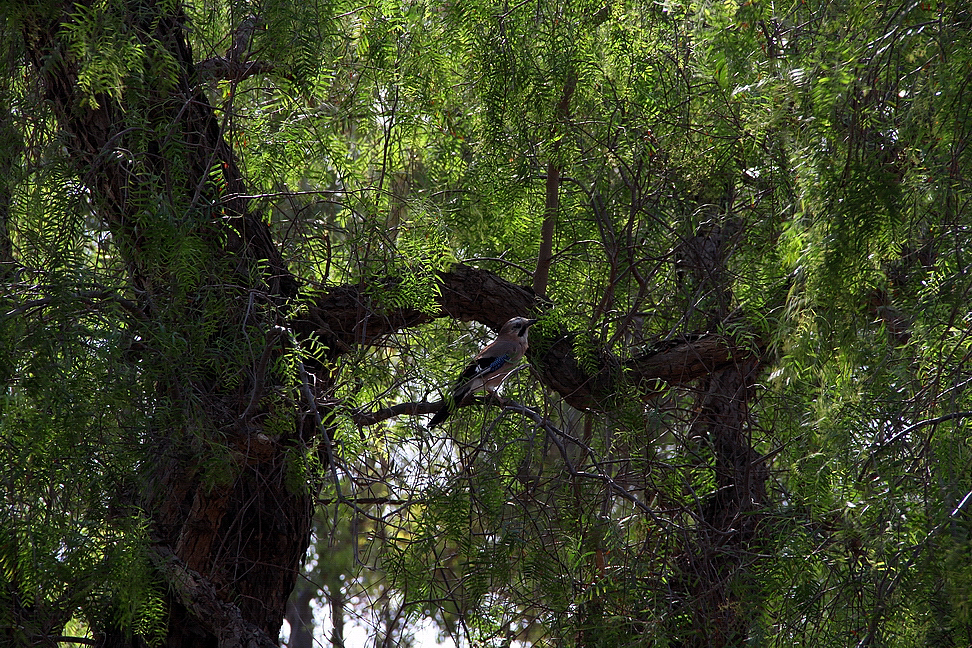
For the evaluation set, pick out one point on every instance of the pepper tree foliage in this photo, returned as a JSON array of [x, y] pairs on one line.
[[792, 177]]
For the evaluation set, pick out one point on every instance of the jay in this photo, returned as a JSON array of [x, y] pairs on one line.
[[488, 369]]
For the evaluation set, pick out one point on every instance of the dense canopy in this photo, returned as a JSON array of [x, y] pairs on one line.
[[246, 247]]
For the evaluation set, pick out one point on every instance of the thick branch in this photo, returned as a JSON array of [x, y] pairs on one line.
[[343, 318], [346, 316], [682, 361]]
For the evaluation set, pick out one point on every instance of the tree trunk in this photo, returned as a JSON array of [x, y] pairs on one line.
[[718, 557], [230, 525], [720, 554], [300, 616]]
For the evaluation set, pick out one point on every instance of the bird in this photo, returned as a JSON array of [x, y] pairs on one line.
[[490, 368]]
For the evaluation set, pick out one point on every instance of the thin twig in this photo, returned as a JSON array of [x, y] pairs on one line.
[[920, 424]]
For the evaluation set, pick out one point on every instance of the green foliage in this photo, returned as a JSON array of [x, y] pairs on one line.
[[105, 49], [823, 145], [71, 546]]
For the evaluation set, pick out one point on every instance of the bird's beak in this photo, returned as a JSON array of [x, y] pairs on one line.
[[531, 322]]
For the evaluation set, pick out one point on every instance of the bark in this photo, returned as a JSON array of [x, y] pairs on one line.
[[206, 607], [232, 545], [344, 316], [719, 555]]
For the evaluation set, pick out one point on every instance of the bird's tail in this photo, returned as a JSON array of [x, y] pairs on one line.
[[449, 404], [442, 414]]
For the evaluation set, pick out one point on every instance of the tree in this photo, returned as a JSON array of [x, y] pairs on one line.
[[229, 253]]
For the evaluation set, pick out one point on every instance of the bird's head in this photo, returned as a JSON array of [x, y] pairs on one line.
[[517, 327]]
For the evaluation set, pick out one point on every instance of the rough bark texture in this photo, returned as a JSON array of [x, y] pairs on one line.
[[721, 552], [232, 546], [205, 609]]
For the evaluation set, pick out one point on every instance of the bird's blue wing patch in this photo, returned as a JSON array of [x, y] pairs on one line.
[[497, 363]]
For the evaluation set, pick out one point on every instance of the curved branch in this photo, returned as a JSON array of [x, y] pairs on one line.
[[364, 419], [344, 317]]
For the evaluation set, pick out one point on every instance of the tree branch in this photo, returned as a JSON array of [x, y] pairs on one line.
[[552, 188], [221, 68], [343, 318], [363, 419]]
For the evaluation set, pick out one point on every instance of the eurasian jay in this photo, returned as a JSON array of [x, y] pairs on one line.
[[490, 367]]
